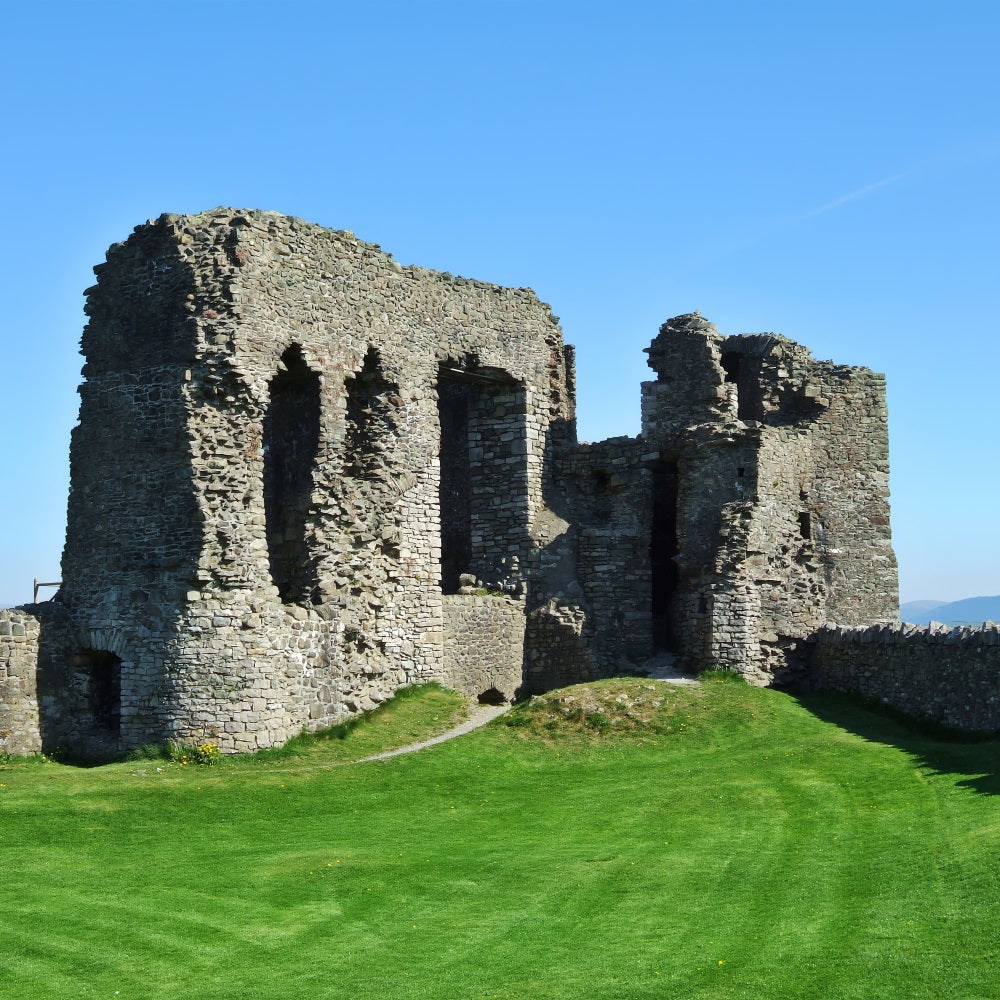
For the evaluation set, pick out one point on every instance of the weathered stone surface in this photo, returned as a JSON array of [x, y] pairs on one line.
[[19, 728], [483, 645], [951, 676]]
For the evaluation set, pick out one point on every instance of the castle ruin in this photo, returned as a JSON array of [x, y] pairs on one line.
[[305, 475]]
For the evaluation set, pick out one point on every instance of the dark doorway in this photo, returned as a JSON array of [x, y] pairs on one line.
[[103, 671], [663, 552], [291, 441]]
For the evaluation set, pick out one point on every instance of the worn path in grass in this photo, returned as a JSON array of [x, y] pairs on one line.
[[478, 716]]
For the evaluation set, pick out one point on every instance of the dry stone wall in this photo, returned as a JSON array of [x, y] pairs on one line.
[[950, 676]]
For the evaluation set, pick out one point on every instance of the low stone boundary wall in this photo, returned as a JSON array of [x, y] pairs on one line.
[[483, 644], [950, 675], [20, 632]]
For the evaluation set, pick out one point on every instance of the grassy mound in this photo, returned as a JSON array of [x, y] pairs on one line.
[[413, 714], [629, 707]]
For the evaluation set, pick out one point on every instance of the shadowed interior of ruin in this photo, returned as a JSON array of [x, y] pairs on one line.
[[663, 552], [291, 440], [456, 481], [102, 670]]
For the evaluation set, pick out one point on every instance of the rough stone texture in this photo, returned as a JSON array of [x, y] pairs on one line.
[[780, 468], [951, 676], [19, 728], [254, 522], [483, 645], [304, 474]]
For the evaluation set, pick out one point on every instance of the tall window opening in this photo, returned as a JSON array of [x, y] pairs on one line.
[[291, 441], [484, 501], [455, 492], [663, 552], [372, 402], [805, 524], [732, 365]]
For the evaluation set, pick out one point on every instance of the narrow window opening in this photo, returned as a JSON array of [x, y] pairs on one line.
[[291, 442], [663, 552], [455, 493], [805, 524], [740, 472], [603, 496]]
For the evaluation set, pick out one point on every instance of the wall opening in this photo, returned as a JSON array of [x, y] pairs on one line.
[[732, 365], [372, 402], [492, 696], [103, 671], [455, 491], [291, 442], [483, 493], [805, 524], [663, 553], [603, 496]]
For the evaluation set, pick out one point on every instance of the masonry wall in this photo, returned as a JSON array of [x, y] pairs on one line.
[[783, 517], [951, 676], [19, 728], [483, 641], [255, 525]]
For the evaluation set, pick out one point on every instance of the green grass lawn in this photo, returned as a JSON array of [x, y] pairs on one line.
[[626, 840]]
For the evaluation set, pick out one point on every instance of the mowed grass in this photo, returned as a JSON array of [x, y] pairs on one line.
[[628, 839]]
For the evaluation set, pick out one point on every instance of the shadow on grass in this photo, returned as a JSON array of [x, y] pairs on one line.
[[937, 748]]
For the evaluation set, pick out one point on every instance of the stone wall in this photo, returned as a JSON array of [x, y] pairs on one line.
[[19, 634], [951, 676], [256, 514], [483, 640], [782, 515]]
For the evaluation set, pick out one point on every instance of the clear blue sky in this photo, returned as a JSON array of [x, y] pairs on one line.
[[828, 171]]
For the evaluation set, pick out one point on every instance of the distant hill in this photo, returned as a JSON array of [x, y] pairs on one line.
[[969, 611]]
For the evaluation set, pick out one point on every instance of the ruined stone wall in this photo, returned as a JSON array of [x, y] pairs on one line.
[[951, 676], [782, 499], [848, 498], [483, 640], [262, 542], [304, 475], [606, 494], [19, 729]]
